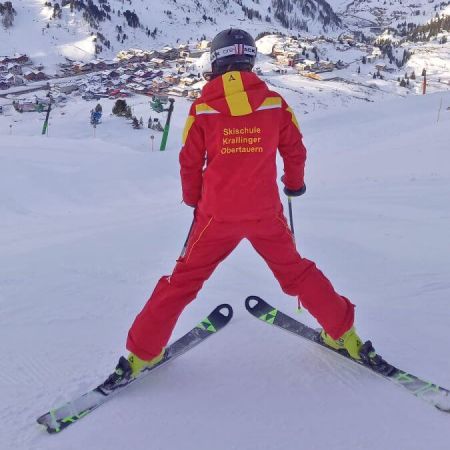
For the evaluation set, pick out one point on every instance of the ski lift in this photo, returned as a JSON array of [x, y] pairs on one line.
[[157, 106], [158, 102]]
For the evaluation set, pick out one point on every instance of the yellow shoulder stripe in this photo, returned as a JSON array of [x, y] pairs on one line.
[[189, 122], [235, 94], [270, 103], [203, 108], [294, 119]]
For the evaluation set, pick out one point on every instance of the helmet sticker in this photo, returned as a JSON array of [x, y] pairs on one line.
[[236, 49]]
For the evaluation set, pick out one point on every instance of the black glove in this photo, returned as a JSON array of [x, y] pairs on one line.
[[297, 193]]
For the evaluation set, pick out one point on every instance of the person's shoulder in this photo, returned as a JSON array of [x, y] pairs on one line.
[[194, 105], [275, 94], [275, 98]]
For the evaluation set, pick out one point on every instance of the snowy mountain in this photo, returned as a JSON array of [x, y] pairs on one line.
[[88, 225], [375, 16], [82, 28]]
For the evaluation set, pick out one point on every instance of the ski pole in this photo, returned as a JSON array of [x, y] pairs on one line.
[[183, 251], [291, 220]]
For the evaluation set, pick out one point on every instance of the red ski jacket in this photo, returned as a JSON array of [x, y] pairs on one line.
[[230, 140]]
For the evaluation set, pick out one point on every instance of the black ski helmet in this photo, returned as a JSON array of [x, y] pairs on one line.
[[232, 47]]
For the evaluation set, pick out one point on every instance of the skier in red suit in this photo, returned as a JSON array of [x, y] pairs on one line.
[[229, 175]]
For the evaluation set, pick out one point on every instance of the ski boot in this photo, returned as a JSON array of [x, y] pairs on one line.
[[126, 370], [349, 342], [137, 365], [121, 376], [369, 357], [351, 345]]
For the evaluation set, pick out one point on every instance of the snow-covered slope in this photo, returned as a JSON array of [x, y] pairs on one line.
[[70, 37], [87, 226]]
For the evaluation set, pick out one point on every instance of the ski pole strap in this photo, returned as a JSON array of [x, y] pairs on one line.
[[291, 220]]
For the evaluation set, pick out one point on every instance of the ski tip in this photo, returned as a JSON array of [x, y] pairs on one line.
[[445, 409], [42, 420], [45, 426], [252, 302], [53, 430], [222, 314]]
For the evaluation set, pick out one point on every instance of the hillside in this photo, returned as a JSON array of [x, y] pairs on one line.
[[74, 30], [377, 15]]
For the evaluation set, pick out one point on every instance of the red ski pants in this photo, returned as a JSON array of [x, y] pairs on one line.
[[210, 243]]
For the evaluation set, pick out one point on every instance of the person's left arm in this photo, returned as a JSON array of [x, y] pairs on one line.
[[192, 160]]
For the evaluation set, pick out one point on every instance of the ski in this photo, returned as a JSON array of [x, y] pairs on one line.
[[60, 418], [436, 395]]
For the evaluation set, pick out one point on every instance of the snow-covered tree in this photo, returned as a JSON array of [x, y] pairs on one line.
[[7, 12]]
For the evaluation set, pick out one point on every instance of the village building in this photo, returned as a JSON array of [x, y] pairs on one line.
[[290, 58], [114, 83], [34, 75], [13, 80], [193, 53], [136, 55], [99, 64], [16, 59], [14, 68], [169, 53], [157, 62], [159, 84], [171, 78], [204, 45], [178, 91], [188, 80], [376, 54], [137, 88], [315, 66], [113, 74], [24, 105], [277, 50], [143, 74], [194, 93], [135, 58], [81, 67], [126, 78], [68, 88]]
